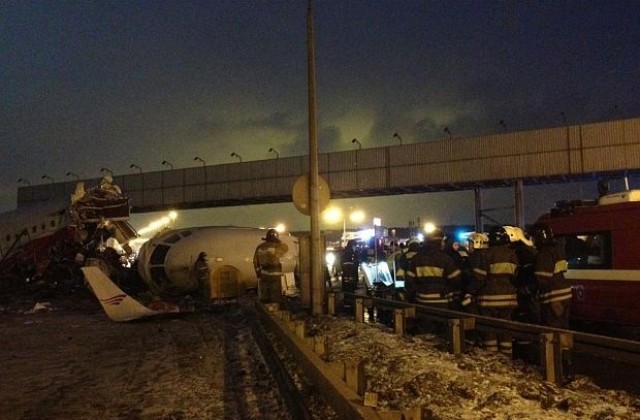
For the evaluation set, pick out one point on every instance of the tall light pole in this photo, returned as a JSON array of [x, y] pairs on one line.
[[48, 177], [272, 150], [24, 181], [103, 170], [133, 165], [165, 163], [446, 130], [199, 159], [316, 252], [357, 142], [503, 124], [397, 136], [234, 154]]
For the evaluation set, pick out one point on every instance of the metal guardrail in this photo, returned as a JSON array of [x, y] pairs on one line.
[[343, 384], [458, 323], [340, 392]]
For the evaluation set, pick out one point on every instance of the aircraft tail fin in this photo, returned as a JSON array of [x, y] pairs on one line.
[[118, 305]]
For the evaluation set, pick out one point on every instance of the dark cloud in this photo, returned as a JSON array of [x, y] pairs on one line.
[[90, 84]]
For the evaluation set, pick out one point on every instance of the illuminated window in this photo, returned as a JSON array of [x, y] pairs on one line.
[[589, 251]]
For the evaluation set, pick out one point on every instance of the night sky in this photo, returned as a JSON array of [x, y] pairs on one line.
[[94, 84]]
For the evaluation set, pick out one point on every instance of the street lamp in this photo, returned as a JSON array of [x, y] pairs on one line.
[[272, 150], [397, 136], [503, 124], [234, 154], [355, 141], [48, 177], [200, 160], [165, 163], [446, 130], [106, 170], [73, 175], [24, 181], [335, 214], [133, 165]]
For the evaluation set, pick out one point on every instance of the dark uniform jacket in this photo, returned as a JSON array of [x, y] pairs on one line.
[[435, 275], [493, 283], [551, 264]]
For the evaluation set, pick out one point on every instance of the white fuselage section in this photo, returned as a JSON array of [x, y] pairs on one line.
[[166, 262]]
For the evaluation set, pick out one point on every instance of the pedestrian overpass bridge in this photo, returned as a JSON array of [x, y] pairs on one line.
[[548, 155]]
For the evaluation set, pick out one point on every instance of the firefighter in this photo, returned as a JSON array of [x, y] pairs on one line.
[[460, 256], [268, 267], [526, 289], [478, 242], [553, 287], [434, 273], [408, 292], [201, 268], [493, 287], [350, 262], [525, 281]]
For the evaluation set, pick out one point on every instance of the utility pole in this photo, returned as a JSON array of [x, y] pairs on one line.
[[317, 281]]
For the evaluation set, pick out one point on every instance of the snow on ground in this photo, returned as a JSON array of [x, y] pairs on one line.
[[411, 371]]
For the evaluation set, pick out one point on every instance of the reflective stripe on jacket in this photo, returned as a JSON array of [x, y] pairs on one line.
[[550, 266]]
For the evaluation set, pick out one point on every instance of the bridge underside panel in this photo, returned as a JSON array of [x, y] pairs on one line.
[[549, 155]]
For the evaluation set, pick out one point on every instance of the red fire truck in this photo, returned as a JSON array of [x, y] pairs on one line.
[[602, 241]]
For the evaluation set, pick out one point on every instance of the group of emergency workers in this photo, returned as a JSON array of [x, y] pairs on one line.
[[503, 274]]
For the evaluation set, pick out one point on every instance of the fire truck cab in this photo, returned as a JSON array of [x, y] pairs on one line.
[[602, 242]]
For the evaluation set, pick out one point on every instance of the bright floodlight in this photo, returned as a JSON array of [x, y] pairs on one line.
[[280, 228], [332, 215], [429, 227], [357, 216]]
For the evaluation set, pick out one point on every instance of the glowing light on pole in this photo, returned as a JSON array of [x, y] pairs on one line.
[[429, 227]]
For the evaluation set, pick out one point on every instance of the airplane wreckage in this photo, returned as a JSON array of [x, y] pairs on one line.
[[58, 247]]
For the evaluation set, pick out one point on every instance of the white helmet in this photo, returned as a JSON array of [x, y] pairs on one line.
[[478, 240], [516, 234]]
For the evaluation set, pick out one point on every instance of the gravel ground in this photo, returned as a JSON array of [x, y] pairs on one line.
[[80, 365]]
